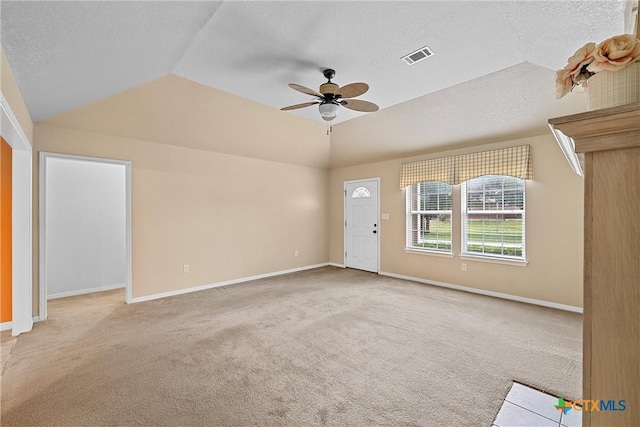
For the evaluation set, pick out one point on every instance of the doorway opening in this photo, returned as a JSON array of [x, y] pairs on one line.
[[85, 227]]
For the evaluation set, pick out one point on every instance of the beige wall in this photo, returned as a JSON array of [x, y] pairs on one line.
[[230, 217], [226, 216], [12, 94], [554, 234], [177, 111]]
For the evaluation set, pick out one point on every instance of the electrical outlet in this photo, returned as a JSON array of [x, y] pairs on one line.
[[295, 253], [185, 268], [464, 267]]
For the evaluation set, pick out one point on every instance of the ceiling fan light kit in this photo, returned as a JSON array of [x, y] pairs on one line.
[[328, 111], [331, 97]]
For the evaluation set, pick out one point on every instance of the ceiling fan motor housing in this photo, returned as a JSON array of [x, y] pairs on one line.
[[328, 88]]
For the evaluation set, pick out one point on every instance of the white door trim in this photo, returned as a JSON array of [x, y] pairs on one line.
[[344, 218], [21, 214], [43, 261]]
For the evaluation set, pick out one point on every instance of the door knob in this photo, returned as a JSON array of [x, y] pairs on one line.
[[375, 231]]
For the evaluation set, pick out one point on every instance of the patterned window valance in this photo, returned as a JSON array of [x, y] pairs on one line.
[[512, 161]]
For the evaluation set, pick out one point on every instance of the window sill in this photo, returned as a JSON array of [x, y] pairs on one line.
[[428, 253], [515, 262]]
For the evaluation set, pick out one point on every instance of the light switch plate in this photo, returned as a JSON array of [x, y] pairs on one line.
[[385, 216]]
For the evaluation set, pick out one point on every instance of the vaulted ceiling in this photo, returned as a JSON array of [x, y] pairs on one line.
[[491, 76]]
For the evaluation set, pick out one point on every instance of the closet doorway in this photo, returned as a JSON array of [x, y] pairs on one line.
[[85, 226]]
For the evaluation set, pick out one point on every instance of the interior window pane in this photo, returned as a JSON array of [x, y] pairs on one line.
[[493, 216], [429, 225]]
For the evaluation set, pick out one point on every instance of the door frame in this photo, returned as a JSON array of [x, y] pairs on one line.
[[21, 215], [344, 218], [44, 156]]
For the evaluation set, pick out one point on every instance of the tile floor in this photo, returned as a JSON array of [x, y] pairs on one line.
[[525, 406]]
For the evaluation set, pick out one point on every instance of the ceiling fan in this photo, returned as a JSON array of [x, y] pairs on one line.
[[331, 97]]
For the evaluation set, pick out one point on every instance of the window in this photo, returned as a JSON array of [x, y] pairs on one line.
[[493, 217], [429, 216], [360, 192]]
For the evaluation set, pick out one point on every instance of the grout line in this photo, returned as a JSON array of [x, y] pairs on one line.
[[533, 412], [527, 409], [547, 392]]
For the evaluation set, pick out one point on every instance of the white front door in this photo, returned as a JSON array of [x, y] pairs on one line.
[[361, 225]]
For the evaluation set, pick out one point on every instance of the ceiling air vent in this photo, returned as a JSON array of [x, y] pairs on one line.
[[418, 55]]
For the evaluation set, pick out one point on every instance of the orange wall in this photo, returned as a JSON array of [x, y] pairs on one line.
[[5, 232]]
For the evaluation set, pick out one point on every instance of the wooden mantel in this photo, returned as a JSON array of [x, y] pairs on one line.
[[607, 129], [609, 139]]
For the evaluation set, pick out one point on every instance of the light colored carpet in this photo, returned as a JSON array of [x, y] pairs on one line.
[[325, 346]]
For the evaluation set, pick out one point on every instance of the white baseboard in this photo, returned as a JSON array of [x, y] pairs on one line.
[[85, 291], [9, 325], [225, 283], [334, 264], [542, 303], [5, 326]]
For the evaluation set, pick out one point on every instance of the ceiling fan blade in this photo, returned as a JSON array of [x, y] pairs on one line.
[[305, 90], [295, 107], [352, 90], [360, 105]]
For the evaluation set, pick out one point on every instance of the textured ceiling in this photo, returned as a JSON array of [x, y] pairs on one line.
[[68, 54], [512, 103]]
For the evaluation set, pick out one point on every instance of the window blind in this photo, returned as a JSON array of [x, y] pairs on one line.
[[493, 217], [429, 206], [512, 161]]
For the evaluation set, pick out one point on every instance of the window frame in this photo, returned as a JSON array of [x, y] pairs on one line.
[[409, 221], [464, 212]]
